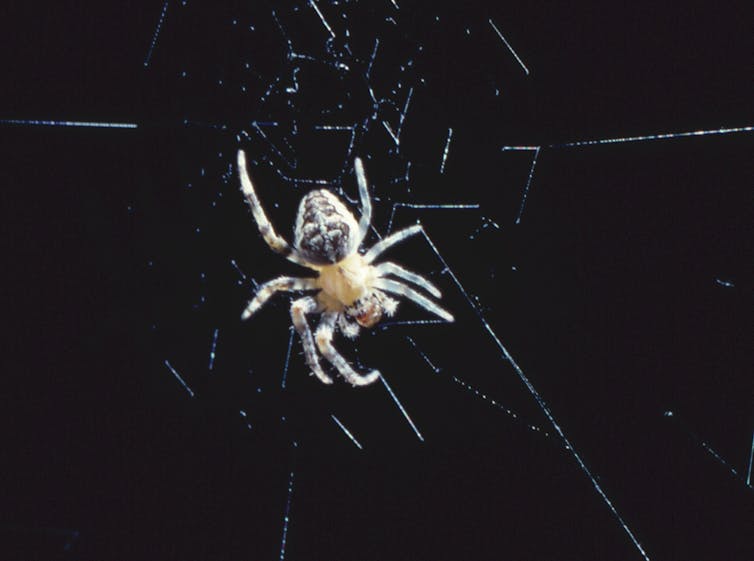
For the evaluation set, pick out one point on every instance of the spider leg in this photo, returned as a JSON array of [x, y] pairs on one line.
[[388, 268], [299, 309], [366, 203], [270, 288], [277, 243], [402, 290], [392, 239], [324, 337]]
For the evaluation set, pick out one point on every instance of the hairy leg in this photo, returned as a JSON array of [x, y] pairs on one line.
[[402, 290], [324, 336], [270, 288], [366, 203], [388, 268], [299, 309], [391, 240], [277, 243]]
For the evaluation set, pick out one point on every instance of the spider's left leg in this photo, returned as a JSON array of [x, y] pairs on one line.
[[299, 309], [277, 243], [366, 203], [401, 289], [324, 337], [268, 289]]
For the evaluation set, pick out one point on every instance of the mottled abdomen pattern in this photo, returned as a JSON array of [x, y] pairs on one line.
[[325, 230]]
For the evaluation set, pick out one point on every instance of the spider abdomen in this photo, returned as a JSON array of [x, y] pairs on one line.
[[325, 230]]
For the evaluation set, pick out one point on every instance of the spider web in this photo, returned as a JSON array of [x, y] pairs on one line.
[[589, 231]]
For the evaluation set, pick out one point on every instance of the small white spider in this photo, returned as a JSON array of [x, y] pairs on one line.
[[351, 291]]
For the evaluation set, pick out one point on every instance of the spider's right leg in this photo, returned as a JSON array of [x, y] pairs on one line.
[[324, 337], [395, 287], [390, 268], [277, 243], [392, 239], [268, 290], [299, 309], [366, 203]]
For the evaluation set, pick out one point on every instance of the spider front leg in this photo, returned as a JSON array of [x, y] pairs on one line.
[[366, 203], [277, 243], [324, 337], [299, 309], [268, 290]]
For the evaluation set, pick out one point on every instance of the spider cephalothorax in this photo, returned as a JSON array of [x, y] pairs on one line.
[[350, 289]]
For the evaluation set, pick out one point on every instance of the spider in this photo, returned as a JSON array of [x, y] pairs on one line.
[[351, 291]]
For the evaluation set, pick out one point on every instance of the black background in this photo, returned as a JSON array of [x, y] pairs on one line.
[[609, 294]]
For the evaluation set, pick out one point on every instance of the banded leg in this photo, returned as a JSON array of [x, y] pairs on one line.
[[324, 337], [366, 203], [402, 290], [299, 309], [277, 243], [270, 288], [388, 268], [392, 239]]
